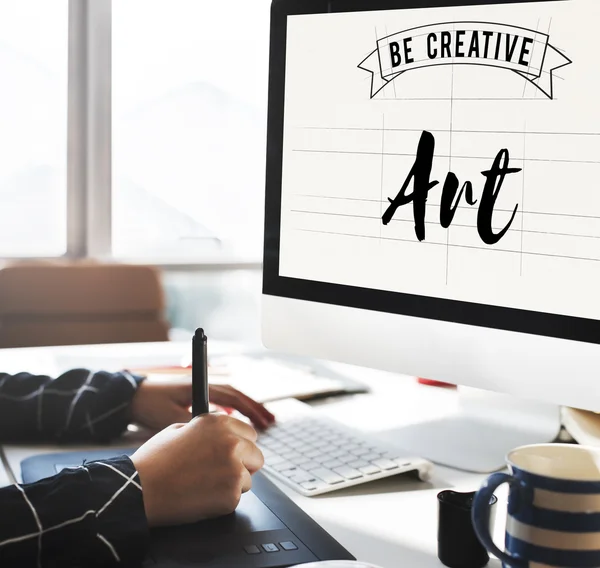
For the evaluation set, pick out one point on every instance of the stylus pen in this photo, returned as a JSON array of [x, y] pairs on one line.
[[199, 374]]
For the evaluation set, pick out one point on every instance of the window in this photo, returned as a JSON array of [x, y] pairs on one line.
[[33, 133], [136, 130], [133, 130], [189, 100]]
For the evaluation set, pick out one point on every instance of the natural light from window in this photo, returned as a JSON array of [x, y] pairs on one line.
[[33, 132], [189, 127]]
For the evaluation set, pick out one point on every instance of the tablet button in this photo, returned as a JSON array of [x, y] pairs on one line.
[[270, 548], [288, 545], [252, 549]]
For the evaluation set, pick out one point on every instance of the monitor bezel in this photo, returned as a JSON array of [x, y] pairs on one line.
[[467, 313]]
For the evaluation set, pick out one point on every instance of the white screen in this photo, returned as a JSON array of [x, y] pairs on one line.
[[346, 152]]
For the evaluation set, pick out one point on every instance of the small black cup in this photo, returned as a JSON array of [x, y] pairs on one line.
[[458, 545]]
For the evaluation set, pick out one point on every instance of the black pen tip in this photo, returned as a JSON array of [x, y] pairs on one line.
[[200, 334]]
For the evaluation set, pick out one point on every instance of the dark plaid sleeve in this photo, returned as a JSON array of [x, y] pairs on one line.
[[78, 406], [87, 516]]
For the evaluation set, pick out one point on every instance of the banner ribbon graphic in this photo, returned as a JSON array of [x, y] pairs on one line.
[[523, 51]]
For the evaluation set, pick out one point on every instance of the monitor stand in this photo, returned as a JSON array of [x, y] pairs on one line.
[[478, 437]]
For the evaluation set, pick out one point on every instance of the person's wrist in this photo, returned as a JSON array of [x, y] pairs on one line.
[[139, 378], [138, 403], [149, 494]]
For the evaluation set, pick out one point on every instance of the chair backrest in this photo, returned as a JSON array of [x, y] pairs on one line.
[[63, 303]]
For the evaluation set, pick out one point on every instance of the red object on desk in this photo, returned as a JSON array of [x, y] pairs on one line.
[[431, 383]]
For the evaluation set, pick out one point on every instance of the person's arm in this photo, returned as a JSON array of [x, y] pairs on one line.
[[80, 405], [90, 516], [100, 513]]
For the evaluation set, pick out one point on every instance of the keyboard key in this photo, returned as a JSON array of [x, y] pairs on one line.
[[290, 472], [323, 458], [302, 477], [327, 476], [285, 439], [393, 455], [348, 472], [252, 549], [310, 486], [348, 458], [274, 460], [300, 460], [338, 453], [330, 464], [313, 454], [311, 465], [369, 469], [385, 464], [320, 444], [290, 455], [288, 545], [360, 452], [370, 457], [283, 466], [358, 463], [270, 547], [304, 437]]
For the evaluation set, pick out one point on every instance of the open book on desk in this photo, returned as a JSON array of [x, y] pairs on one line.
[[270, 377]]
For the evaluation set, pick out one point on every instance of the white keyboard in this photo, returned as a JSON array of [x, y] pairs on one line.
[[315, 455]]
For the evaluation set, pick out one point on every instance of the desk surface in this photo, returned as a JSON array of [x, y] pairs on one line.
[[391, 523]]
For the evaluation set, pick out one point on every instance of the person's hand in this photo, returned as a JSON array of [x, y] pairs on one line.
[[228, 397], [158, 403], [198, 470]]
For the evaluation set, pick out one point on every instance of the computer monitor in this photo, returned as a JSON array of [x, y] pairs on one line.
[[432, 203]]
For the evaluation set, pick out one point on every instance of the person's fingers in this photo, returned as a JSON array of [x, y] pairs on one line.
[[253, 406], [245, 406], [251, 456], [235, 426], [269, 416], [243, 430], [228, 396], [246, 481], [257, 413], [181, 414], [182, 392]]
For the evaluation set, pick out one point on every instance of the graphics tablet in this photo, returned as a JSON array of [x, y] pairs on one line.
[[267, 530]]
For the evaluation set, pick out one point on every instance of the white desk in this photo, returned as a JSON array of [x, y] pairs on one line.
[[391, 523]]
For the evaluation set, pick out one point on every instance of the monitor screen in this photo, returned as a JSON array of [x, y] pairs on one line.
[[439, 162]]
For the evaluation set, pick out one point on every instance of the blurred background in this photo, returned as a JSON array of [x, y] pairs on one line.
[[133, 132]]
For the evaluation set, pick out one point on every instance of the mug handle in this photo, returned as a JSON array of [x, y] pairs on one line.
[[481, 513]]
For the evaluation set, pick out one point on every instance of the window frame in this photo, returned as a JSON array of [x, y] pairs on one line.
[[89, 148]]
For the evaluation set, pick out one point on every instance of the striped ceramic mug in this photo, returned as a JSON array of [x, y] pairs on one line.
[[553, 507]]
